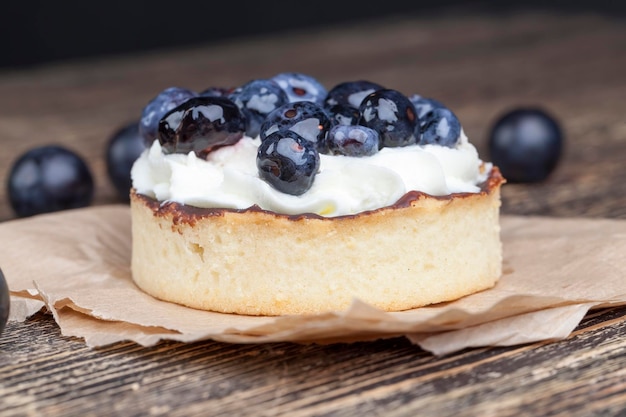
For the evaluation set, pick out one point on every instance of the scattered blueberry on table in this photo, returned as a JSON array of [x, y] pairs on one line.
[[5, 302], [47, 179], [526, 144], [123, 148]]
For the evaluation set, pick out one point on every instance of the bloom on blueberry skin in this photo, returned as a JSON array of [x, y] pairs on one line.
[[392, 115], [305, 118], [439, 127], [256, 99], [301, 87], [353, 140], [152, 113], [424, 105]]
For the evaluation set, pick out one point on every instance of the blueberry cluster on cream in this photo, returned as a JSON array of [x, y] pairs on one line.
[[287, 145]]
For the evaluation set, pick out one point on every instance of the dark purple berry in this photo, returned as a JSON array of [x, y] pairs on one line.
[[353, 140], [301, 87], [165, 101], [256, 99], [343, 101], [392, 115], [123, 148], [343, 115], [526, 144], [288, 162], [349, 94], [215, 92], [307, 119], [439, 127], [5, 302], [49, 178], [201, 125], [424, 105]]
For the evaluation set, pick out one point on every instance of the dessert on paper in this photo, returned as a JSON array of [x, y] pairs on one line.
[[556, 268]]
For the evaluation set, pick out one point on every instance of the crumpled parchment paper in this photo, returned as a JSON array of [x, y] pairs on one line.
[[76, 264]]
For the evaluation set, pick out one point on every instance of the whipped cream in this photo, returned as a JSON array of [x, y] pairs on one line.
[[344, 185]]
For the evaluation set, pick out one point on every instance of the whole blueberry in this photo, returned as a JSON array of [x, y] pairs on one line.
[[307, 119], [353, 140], [123, 148], [49, 178], [343, 115], [392, 115], [256, 99], [215, 92], [525, 144], [424, 105], [165, 101], [439, 127], [301, 87], [5, 302], [349, 94], [200, 125], [288, 162], [343, 101]]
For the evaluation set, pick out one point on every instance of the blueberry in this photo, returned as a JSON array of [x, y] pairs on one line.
[[392, 115], [5, 302], [439, 127], [343, 115], [200, 125], [256, 99], [288, 162], [424, 105], [215, 92], [353, 140], [165, 101], [343, 101], [123, 148], [307, 119], [526, 144], [349, 94], [301, 87], [49, 178]]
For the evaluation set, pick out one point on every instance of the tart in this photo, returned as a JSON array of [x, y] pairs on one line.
[[213, 228]]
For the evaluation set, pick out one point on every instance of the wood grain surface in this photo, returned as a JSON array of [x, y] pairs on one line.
[[479, 65]]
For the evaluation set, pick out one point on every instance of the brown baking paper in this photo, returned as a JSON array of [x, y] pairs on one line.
[[77, 264]]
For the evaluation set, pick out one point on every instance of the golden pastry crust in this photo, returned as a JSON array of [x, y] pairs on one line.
[[420, 251]]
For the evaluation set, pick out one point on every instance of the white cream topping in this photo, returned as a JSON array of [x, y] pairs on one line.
[[343, 185]]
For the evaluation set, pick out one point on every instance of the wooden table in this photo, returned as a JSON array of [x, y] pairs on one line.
[[480, 66]]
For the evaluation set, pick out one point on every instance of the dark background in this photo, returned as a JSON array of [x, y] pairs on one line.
[[40, 31]]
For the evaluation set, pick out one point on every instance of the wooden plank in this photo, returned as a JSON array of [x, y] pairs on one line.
[[58, 376]]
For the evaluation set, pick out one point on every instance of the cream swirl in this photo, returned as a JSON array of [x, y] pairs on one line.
[[228, 178]]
